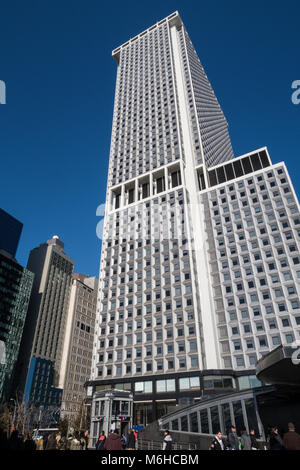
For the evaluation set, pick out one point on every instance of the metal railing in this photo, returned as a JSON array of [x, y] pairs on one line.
[[144, 444]]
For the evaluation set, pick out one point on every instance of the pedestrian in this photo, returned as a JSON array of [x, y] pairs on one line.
[[40, 443], [82, 441], [51, 442], [275, 441], [29, 443], [245, 440], [254, 443], [131, 441], [86, 438], [3, 439], [167, 442], [101, 441], [123, 441], [15, 443], [136, 438], [75, 443], [113, 442], [218, 442], [233, 440], [58, 440], [291, 439]]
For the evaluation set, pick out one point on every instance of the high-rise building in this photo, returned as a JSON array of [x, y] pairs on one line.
[[15, 288], [77, 353], [42, 343], [200, 261], [10, 232]]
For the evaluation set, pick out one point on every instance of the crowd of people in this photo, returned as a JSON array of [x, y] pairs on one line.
[[53, 441], [275, 441], [115, 441]]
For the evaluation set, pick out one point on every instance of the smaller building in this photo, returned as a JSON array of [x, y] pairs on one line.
[[39, 390], [111, 409], [78, 345], [45, 325]]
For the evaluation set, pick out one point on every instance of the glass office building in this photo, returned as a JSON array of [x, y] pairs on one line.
[[15, 288]]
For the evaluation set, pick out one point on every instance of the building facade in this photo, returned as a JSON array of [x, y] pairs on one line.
[[199, 273], [77, 353], [15, 288], [45, 325]]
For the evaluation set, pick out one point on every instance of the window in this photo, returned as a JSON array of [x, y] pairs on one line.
[[165, 386]]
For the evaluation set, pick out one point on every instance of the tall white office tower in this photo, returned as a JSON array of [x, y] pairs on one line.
[[200, 265]]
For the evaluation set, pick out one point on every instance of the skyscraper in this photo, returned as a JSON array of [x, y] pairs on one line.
[[199, 270], [15, 288], [42, 343], [10, 232]]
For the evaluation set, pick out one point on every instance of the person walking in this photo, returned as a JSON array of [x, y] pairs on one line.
[[113, 442], [167, 442], [86, 439], [15, 443], [218, 442], [29, 443], [131, 441], [123, 441], [275, 441], [101, 441], [51, 442], [233, 440], [291, 439], [3, 439], [245, 440], [254, 443]]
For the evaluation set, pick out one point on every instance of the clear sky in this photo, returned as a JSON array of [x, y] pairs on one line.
[[55, 58]]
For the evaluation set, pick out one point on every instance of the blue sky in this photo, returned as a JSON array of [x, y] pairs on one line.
[[55, 58]]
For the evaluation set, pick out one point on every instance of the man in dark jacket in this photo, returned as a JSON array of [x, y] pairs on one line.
[[51, 442], [291, 440], [218, 443], [101, 441], [131, 441], [233, 439], [113, 442], [29, 444], [254, 443], [245, 440]]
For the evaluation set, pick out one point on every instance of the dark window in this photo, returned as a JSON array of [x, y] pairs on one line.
[[251, 415], [204, 422], [264, 158], [255, 162], [238, 168], [212, 178], [247, 165], [184, 423], [229, 171], [221, 175], [226, 418], [175, 425], [238, 416], [193, 422], [215, 421]]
